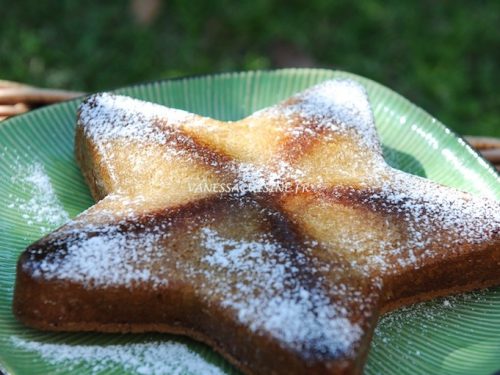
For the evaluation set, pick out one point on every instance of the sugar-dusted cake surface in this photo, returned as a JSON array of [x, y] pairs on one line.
[[278, 239]]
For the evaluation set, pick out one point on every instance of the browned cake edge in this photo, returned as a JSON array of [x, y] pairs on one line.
[[184, 331], [345, 366], [392, 305], [87, 159], [173, 330]]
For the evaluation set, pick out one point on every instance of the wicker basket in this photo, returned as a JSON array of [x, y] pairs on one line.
[[17, 98]]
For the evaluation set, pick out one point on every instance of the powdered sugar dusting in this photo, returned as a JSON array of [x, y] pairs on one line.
[[272, 298], [423, 221], [390, 325], [150, 358], [101, 256], [438, 220], [339, 105], [271, 288], [256, 179], [471, 218], [114, 116], [40, 207]]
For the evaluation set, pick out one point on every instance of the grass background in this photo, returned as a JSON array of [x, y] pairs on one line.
[[442, 55]]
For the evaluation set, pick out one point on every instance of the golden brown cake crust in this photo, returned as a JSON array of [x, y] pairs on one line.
[[278, 281]]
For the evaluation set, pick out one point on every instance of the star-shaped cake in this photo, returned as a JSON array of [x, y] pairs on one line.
[[278, 239]]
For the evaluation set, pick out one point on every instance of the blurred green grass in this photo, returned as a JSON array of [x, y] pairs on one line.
[[442, 55]]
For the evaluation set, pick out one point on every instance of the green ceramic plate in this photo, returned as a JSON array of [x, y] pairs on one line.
[[41, 187]]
